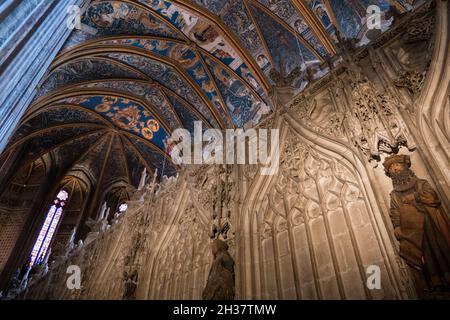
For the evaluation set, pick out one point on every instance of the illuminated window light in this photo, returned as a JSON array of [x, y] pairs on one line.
[[48, 229]]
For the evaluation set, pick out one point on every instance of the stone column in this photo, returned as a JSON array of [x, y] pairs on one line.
[[31, 35], [433, 105]]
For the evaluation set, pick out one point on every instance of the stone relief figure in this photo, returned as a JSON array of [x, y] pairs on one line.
[[220, 284], [421, 226]]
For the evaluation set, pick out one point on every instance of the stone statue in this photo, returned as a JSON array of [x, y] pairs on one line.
[[220, 284], [99, 225], [131, 282], [102, 211], [421, 226], [143, 179]]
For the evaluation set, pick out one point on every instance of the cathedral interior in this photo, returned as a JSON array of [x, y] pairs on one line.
[[92, 91]]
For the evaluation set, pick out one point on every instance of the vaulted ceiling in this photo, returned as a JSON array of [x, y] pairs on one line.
[[137, 70]]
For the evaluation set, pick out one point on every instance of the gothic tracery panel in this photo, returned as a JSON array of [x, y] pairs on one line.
[[315, 233]]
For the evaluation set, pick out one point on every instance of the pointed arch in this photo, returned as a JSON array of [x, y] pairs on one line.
[[231, 37], [164, 60]]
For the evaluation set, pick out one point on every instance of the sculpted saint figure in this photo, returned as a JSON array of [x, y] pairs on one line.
[[220, 285], [421, 226]]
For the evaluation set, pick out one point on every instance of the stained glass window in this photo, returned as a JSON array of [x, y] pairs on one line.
[[48, 228]]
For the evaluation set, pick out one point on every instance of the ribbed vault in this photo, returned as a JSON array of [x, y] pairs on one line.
[[137, 70]]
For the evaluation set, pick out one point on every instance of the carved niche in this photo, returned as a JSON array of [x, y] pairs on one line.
[[213, 189], [183, 262], [414, 50], [315, 232], [319, 114], [374, 122]]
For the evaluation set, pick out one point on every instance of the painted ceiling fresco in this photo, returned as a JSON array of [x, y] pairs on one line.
[[124, 114], [136, 70], [118, 18]]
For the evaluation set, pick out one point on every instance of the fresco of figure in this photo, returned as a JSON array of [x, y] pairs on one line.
[[220, 284], [421, 226]]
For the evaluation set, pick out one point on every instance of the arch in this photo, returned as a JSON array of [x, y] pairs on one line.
[[235, 42], [433, 105], [160, 59], [258, 254], [93, 43]]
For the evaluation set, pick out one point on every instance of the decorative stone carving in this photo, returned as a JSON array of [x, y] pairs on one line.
[[420, 29], [250, 172], [281, 79], [311, 237], [322, 118], [143, 179], [213, 190], [221, 226], [268, 122], [374, 122], [99, 225], [14, 287], [314, 211], [411, 80], [181, 266], [414, 50], [61, 250], [205, 187]]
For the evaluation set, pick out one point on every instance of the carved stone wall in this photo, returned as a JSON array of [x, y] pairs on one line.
[[312, 230], [163, 239], [309, 232]]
